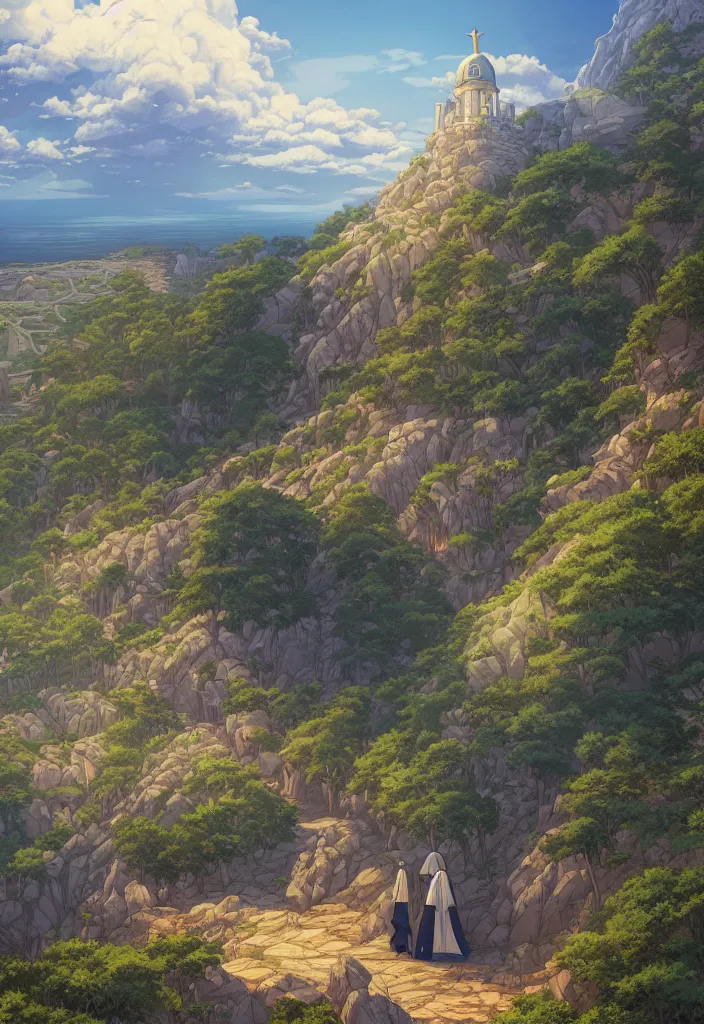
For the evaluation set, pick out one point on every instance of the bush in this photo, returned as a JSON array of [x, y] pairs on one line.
[[83, 982], [293, 1011], [241, 816]]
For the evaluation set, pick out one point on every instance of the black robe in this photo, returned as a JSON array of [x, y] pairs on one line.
[[401, 938]]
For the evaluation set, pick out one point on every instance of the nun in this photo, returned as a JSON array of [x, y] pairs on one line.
[[401, 938], [440, 936], [431, 865]]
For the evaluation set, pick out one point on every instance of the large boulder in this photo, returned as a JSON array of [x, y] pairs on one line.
[[348, 990]]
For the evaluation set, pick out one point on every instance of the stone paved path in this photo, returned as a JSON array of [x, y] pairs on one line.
[[278, 951], [287, 946]]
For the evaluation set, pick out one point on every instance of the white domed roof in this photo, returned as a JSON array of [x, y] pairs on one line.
[[476, 68]]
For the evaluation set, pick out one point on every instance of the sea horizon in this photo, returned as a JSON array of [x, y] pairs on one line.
[[38, 231]]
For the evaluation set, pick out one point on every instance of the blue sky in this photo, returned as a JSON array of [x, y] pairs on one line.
[[265, 105]]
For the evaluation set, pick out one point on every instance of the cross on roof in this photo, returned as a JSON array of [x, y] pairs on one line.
[[475, 36]]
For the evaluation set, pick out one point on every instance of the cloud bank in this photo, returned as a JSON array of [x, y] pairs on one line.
[[179, 67], [124, 87]]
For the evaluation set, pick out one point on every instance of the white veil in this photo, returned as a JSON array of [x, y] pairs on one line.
[[440, 896], [432, 864], [401, 887]]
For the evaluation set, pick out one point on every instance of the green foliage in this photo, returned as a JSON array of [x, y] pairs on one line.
[[296, 706], [477, 211], [679, 296], [667, 78], [391, 603], [527, 115], [542, 1008], [17, 1008], [147, 722], [671, 209], [325, 748], [252, 552], [430, 795], [237, 815], [677, 455], [244, 697], [625, 401], [436, 278], [246, 248], [143, 715], [103, 423], [293, 1011], [113, 576], [645, 958], [289, 246], [337, 222], [29, 862], [539, 218], [635, 254], [78, 982], [311, 262], [590, 167], [445, 472], [50, 641]]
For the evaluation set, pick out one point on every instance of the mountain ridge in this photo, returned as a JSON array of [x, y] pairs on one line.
[[495, 412]]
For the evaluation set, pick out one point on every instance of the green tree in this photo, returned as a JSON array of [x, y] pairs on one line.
[[634, 254], [325, 747], [253, 552], [92, 981], [539, 218], [289, 246], [433, 797], [592, 168], [246, 247], [645, 961]]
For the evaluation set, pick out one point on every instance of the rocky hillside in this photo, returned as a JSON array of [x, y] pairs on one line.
[[397, 548], [614, 50]]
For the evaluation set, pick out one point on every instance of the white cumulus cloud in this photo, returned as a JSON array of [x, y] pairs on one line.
[[151, 68], [43, 149], [9, 146]]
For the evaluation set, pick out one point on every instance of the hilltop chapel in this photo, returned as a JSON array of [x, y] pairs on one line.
[[476, 94]]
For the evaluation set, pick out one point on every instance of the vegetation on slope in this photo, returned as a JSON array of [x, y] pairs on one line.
[[79, 982], [559, 342]]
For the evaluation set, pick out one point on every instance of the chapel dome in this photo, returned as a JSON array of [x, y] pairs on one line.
[[476, 68]]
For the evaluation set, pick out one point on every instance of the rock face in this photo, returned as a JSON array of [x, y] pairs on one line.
[[384, 253], [635, 17], [82, 713], [349, 993], [285, 915], [587, 115]]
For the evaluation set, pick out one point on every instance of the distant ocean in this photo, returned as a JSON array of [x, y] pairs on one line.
[[39, 231]]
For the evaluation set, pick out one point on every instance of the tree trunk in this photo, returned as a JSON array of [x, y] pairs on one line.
[[482, 845], [595, 884]]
